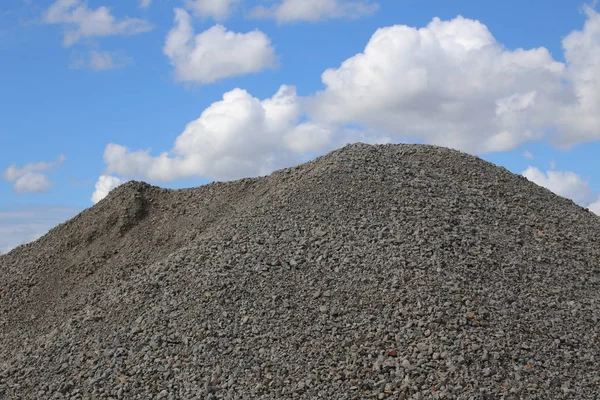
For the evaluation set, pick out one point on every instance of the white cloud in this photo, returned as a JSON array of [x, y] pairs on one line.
[[236, 137], [215, 53], [564, 183], [449, 83], [84, 22], [314, 10], [308, 138], [527, 154], [217, 9], [579, 121], [104, 185], [101, 61], [145, 3], [23, 224], [28, 179]]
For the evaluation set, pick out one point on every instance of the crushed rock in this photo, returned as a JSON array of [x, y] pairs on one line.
[[373, 272]]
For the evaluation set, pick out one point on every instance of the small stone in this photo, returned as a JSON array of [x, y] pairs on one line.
[[320, 233], [135, 330]]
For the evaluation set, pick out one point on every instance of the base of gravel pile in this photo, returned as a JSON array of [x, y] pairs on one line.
[[374, 272]]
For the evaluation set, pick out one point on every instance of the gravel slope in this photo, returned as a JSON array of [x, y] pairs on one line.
[[373, 272]]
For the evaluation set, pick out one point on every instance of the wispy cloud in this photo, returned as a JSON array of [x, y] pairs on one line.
[[288, 11], [80, 21], [101, 61], [528, 155], [29, 178], [217, 9]]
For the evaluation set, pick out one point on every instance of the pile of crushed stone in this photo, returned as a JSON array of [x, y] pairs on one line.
[[373, 272]]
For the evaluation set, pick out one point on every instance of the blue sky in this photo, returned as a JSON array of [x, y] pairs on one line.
[[182, 92]]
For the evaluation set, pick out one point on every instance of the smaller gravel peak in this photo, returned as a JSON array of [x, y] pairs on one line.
[[131, 188]]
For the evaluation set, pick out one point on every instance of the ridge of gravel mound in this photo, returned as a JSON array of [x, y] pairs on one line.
[[373, 272]]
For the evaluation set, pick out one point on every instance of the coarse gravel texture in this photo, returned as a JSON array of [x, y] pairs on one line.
[[373, 272]]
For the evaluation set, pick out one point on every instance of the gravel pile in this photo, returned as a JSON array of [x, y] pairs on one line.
[[374, 272]]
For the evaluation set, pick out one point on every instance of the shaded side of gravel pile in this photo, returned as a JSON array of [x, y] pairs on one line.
[[374, 272]]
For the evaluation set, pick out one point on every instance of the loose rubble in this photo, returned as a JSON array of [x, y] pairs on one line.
[[373, 272]]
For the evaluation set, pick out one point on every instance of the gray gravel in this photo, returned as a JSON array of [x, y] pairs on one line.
[[374, 272]]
